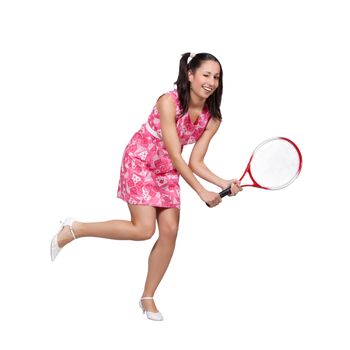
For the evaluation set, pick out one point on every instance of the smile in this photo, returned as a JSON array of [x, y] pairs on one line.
[[208, 89]]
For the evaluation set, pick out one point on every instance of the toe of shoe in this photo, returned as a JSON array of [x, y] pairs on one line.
[[54, 248]]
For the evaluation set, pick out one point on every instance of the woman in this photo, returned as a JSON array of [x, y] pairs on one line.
[[151, 166]]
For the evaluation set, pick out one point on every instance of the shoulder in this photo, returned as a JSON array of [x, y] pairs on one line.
[[213, 124], [168, 101], [169, 96], [212, 127], [166, 108]]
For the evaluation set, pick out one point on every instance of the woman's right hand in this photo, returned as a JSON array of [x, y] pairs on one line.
[[212, 199]]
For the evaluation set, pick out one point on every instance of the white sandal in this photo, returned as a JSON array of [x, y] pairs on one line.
[[55, 249], [154, 316]]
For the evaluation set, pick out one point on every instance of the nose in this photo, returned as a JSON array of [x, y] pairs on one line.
[[211, 81]]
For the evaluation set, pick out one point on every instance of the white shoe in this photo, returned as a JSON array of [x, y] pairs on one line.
[[154, 316], [55, 249]]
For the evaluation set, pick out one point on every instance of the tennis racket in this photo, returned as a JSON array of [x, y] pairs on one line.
[[274, 164]]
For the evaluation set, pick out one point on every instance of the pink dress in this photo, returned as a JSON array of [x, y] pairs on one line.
[[147, 175]]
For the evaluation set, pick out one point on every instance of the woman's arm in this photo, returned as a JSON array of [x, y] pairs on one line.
[[198, 166], [199, 151], [167, 111]]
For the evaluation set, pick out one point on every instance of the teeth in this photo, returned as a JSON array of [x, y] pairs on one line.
[[207, 89]]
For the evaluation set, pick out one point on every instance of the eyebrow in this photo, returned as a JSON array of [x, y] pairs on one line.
[[211, 73]]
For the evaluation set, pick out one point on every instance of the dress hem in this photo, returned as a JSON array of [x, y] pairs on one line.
[[149, 204]]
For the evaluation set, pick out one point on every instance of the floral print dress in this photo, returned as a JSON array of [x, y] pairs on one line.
[[147, 175]]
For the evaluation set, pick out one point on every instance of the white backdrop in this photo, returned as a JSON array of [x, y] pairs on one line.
[[264, 270]]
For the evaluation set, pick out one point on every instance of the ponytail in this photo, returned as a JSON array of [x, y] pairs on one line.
[[182, 83]]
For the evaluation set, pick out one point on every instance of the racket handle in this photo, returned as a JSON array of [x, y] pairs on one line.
[[225, 192]]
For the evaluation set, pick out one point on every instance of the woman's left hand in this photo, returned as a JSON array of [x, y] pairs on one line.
[[235, 186]]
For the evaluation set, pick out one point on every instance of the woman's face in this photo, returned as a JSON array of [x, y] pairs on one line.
[[205, 80]]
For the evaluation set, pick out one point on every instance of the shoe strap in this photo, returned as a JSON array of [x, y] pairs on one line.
[[72, 232], [69, 222], [146, 298]]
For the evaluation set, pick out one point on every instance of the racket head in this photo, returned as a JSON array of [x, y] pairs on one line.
[[274, 164]]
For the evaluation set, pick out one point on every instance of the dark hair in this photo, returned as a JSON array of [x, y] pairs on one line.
[[183, 85]]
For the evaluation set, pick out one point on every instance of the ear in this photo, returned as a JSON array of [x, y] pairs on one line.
[[190, 76]]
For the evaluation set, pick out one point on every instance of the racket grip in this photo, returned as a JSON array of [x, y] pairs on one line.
[[225, 192]]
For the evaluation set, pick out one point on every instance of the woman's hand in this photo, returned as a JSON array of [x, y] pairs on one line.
[[235, 186], [212, 199]]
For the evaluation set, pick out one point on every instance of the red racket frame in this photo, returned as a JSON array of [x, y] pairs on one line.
[[227, 191]]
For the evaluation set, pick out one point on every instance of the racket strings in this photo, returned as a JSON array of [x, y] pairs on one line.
[[275, 164]]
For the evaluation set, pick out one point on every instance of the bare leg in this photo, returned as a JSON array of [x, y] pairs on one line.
[[162, 251], [140, 227]]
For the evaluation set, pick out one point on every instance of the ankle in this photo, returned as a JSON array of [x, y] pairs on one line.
[[147, 295]]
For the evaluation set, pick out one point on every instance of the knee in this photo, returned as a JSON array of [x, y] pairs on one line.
[[146, 231], [169, 231]]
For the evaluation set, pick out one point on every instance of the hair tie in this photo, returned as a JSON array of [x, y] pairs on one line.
[[190, 57]]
